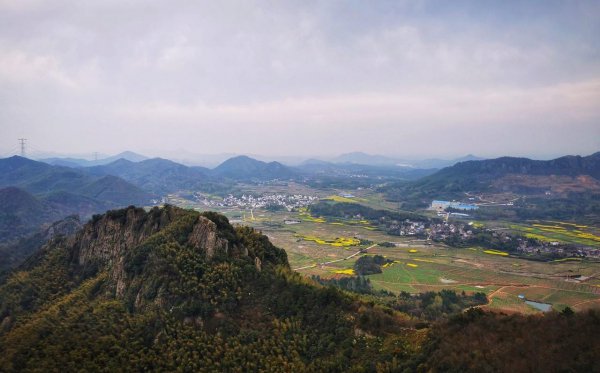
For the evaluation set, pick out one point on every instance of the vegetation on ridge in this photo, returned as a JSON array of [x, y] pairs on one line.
[[176, 290]]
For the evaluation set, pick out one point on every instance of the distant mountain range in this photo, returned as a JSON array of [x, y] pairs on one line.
[[213, 160], [14, 253], [55, 191], [442, 163], [160, 176], [44, 180], [34, 193], [78, 162], [155, 175], [380, 160], [21, 213], [557, 177]]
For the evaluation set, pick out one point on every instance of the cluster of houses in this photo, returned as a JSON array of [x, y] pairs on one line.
[[407, 228], [558, 249], [442, 231], [284, 201], [435, 231]]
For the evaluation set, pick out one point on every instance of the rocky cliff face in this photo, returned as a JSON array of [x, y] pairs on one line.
[[205, 237], [106, 240], [178, 260]]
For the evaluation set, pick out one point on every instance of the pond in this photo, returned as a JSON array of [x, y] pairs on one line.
[[544, 307]]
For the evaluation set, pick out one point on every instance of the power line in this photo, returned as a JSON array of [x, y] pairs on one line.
[[11, 152], [32, 151]]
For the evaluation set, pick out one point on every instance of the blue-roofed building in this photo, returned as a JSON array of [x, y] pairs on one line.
[[439, 205]]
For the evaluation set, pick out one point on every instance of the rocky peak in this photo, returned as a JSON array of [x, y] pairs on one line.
[[106, 240], [106, 237]]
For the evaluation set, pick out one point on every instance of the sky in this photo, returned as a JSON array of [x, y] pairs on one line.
[[412, 79]]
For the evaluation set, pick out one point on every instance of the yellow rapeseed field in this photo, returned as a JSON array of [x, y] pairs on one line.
[[337, 242], [496, 252], [348, 271]]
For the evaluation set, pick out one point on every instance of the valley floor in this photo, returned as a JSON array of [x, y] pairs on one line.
[[328, 249]]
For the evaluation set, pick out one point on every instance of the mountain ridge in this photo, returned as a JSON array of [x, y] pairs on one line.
[[56, 192], [157, 285], [244, 167], [560, 188], [79, 162]]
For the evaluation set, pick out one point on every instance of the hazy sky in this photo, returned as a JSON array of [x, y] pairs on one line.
[[406, 78]]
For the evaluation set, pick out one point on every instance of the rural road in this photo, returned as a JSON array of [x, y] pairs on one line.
[[337, 260]]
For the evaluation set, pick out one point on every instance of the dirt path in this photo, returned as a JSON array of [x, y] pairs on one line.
[[337, 260], [494, 293], [586, 301]]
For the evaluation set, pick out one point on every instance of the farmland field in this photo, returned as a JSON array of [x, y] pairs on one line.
[[560, 231], [329, 247]]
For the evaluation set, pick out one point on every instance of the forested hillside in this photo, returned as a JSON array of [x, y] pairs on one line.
[[176, 290], [173, 288]]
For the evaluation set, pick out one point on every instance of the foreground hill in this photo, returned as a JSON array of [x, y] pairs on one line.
[[171, 288], [176, 290]]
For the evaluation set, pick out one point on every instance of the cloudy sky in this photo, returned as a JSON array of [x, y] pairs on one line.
[[405, 78]]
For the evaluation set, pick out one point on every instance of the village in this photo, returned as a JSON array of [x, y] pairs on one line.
[[462, 234], [273, 201]]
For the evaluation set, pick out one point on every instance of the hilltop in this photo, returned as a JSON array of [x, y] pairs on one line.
[[246, 168], [170, 288]]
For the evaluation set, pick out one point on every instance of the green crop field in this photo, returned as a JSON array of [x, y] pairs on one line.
[[561, 232], [319, 246]]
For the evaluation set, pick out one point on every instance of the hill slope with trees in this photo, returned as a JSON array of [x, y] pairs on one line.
[[172, 289]]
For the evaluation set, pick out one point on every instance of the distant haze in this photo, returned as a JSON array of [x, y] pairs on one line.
[[301, 78]]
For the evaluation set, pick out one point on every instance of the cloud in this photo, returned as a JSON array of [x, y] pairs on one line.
[[334, 76], [18, 67], [382, 122]]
